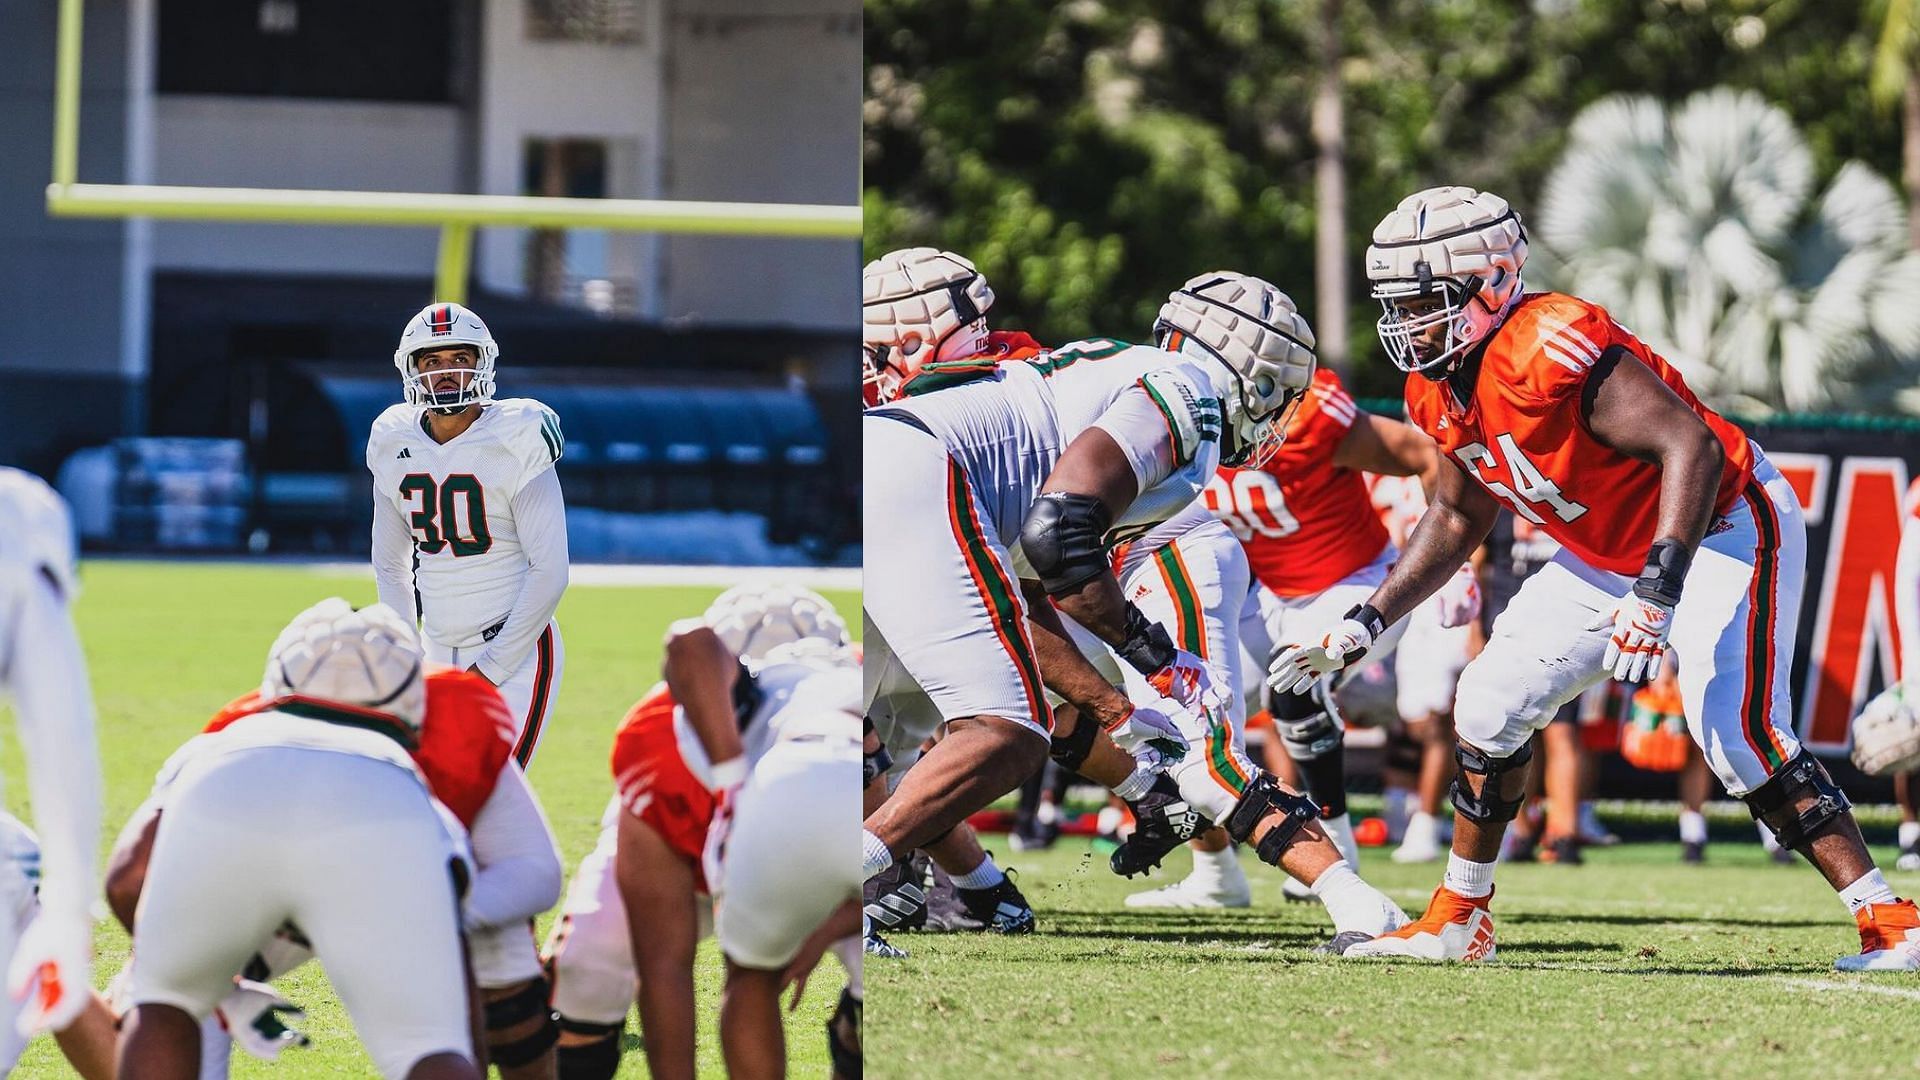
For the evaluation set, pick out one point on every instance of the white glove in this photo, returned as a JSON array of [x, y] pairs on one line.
[[1188, 681], [1297, 667], [1458, 601], [1148, 728], [52, 972], [1640, 628], [251, 1014]]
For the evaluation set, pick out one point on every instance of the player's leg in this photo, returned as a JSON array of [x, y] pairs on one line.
[[981, 895], [657, 887], [1906, 792], [589, 963], [1733, 635], [1696, 783], [514, 994], [1539, 657], [531, 691], [944, 594], [843, 1027]]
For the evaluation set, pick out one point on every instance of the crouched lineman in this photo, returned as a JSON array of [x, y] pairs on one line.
[[980, 473], [373, 882], [49, 951], [641, 901]]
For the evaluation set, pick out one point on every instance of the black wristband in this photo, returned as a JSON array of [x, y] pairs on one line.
[[1666, 571], [1147, 648], [1368, 616]]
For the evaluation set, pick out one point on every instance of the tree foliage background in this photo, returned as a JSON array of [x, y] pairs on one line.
[[1092, 154]]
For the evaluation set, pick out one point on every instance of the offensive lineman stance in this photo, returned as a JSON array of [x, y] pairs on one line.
[[49, 964], [1676, 532], [468, 517]]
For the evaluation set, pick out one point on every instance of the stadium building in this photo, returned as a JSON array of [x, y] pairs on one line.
[[692, 373]]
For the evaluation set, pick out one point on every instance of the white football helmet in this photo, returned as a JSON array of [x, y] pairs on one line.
[[368, 659], [917, 305], [1252, 331], [436, 326], [1454, 245], [754, 620], [1886, 734]]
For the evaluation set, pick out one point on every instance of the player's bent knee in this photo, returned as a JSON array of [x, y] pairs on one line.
[[1489, 804], [1262, 798], [1070, 751], [588, 1051], [1778, 803], [520, 1025], [843, 1037]]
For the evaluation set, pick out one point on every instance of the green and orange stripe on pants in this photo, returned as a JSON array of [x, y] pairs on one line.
[[1756, 704], [996, 590], [1190, 633]]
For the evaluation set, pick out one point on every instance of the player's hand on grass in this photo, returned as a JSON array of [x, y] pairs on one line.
[[1297, 667], [52, 972], [251, 1013], [1639, 640], [1147, 727]]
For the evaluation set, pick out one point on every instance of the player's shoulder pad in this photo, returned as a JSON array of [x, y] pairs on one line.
[[533, 431], [1186, 400], [36, 536], [1554, 341]]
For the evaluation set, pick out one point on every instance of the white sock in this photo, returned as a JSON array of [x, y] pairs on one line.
[[874, 855], [1214, 865], [984, 876], [1351, 903], [1766, 837], [1870, 888], [1909, 833], [1469, 879], [1340, 831], [1693, 827], [1136, 785]]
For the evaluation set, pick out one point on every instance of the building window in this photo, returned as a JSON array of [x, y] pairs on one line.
[[365, 50], [601, 22]]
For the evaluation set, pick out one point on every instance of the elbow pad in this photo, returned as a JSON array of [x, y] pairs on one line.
[[1064, 540]]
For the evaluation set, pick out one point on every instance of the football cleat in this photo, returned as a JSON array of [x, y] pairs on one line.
[[1693, 852], [1563, 851], [999, 908], [1163, 820], [1453, 928], [1198, 890], [1421, 841], [896, 898], [1889, 939], [1342, 942], [874, 945], [1909, 858]]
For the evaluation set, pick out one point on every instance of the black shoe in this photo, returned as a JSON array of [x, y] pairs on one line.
[[999, 908], [1032, 834], [896, 898], [1693, 852], [1564, 851], [1162, 821]]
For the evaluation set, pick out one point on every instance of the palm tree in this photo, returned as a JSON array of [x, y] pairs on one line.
[[1699, 228], [1896, 77]]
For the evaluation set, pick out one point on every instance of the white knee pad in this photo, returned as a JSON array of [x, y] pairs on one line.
[[1499, 711]]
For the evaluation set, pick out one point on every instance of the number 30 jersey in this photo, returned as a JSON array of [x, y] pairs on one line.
[[1523, 434], [1306, 523], [457, 500]]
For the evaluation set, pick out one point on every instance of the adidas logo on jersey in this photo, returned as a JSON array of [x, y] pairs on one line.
[[404, 452]]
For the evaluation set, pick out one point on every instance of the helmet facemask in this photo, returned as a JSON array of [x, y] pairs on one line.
[[476, 389], [1461, 307]]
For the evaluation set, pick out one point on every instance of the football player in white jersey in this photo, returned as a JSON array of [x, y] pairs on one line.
[[371, 882], [979, 473], [49, 962], [468, 515]]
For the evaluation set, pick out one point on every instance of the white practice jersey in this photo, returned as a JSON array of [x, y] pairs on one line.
[[271, 728], [1007, 429], [456, 499], [791, 701]]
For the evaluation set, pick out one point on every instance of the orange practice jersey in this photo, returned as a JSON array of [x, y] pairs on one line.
[[1306, 523], [1523, 436], [654, 782], [465, 739]]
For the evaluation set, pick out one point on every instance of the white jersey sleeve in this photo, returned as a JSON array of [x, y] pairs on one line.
[[541, 513], [1168, 426], [43, 667], [517, 867]]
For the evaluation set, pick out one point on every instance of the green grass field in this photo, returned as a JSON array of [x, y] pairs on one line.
[[1631, 965], [168, 643]]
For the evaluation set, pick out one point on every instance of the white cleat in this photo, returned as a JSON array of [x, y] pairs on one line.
[[1421, 844], [1196, 891], [1908, 860], [1453, 928], [1889, 939]]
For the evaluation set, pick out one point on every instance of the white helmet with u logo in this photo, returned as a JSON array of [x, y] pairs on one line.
[[438, 326]]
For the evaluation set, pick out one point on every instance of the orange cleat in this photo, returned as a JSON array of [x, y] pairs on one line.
[[1453, 928], [1889, 939]]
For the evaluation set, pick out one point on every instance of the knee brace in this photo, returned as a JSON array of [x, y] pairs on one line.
[[527, 1003], [1261, 797], [1772, 802], [843, 1036], [1308, 723], [596, 1060], [1070, 751], [1488, 805]]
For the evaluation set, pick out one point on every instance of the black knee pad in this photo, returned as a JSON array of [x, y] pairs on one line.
[[1772, 802], [1489, 806], [509, 1012], [843, 1036], [1306, 724], [1071, 751], [596, 1060], [1262, 796]]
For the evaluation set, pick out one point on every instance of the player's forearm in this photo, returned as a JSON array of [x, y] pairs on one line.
[[1063, 669], [541, 514], [54, 706], [519, 872], [700, 672], [1445, 537]]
